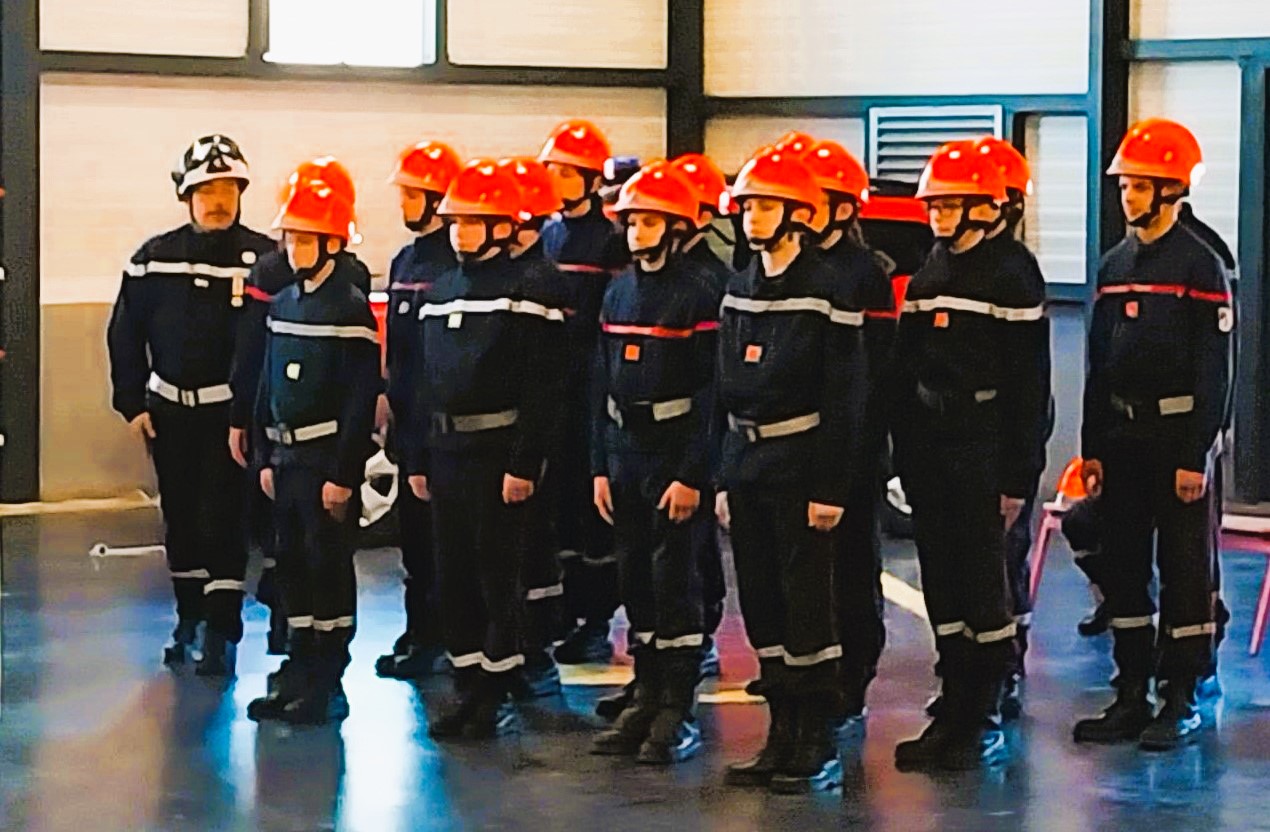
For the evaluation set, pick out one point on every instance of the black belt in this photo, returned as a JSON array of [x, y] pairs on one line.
[[755, 431], [646, 414], [943, 402], [443, 423]]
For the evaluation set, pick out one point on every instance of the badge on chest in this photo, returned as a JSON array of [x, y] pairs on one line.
[[942, 320], [454, 321], [753, 353], [632, 352], [403, 307], [293, 370], [1132, 309]]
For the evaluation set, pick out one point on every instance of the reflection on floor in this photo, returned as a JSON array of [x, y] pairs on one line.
[[95, 736]]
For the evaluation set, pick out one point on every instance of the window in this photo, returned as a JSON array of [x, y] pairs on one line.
[[400, 33]]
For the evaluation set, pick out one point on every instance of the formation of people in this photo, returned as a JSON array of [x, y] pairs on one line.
[[581, 393]]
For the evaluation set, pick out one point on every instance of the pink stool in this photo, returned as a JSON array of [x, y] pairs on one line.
[[1259, 545]]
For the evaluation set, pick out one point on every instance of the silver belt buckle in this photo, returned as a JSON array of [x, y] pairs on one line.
[[189, 398]]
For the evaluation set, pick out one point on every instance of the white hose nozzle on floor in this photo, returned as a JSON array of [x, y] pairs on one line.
[[101, 550]]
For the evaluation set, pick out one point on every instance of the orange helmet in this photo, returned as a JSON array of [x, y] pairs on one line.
[[482, 189], [957, 169], [776, 174], [428, 166], [579, 143], [1071, 484], [317, 208], [329, 170], [1159, 149], [795, 140], [659, 187], [1014, 168], [837, 171], [704, 176], [538, 197]]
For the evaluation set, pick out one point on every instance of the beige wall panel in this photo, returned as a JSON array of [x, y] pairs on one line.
[[1204, 97], [107, 144], [624, 34], [730, 140], [1172, 19], [895, 47], [212, 28], [1055, 227], [85, 448]]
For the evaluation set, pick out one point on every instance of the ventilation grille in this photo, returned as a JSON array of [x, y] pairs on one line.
[[901, 139]]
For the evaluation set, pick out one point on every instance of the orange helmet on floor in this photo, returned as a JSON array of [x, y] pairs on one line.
[[316, 207], [1159, 149], [538, 197], [579, 143], [659, 187], [1014, 167], [837, 170], [482, 189], [705, 177], [958, 169], [796, 141], [427, 166], [1070, 484], [776, 174]]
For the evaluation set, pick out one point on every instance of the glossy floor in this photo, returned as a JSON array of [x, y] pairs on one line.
[[95, 736]]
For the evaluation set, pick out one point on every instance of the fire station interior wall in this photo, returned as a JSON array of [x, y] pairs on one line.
[[211, 28], [1054, 225], [897, 47], [1206, 98], [107, 144], [1175, 19], [730, 140], [621, 34]]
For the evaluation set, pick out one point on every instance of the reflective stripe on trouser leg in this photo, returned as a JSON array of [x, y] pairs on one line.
[[658, 561], [1184, 554], [479, 540]]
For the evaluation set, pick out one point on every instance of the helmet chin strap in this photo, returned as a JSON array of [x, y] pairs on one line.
[[431, 200], [967, 225], [324, 257], [1158, 201], [1012, 212], [490, 243], [785, 227], [588, 194], [665, 246]]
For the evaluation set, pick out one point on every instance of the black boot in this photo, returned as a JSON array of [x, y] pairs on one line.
[[813, 765], [323, 699], [269, 594], [450, 726], [610, 707], [494, 715], [673, 735], [935, 704], [1012, 698], [182, 642], [849, 721], [219, 656], [925, 750], [589, 644], [710, 667], [632, 724], [540, 677], [1178, 722], [289, 682], [976, 738], [409, 659], [1096, 623], [759, 770], [1124, 720]]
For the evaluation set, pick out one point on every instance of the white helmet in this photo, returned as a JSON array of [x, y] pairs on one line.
[[211, 157]]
